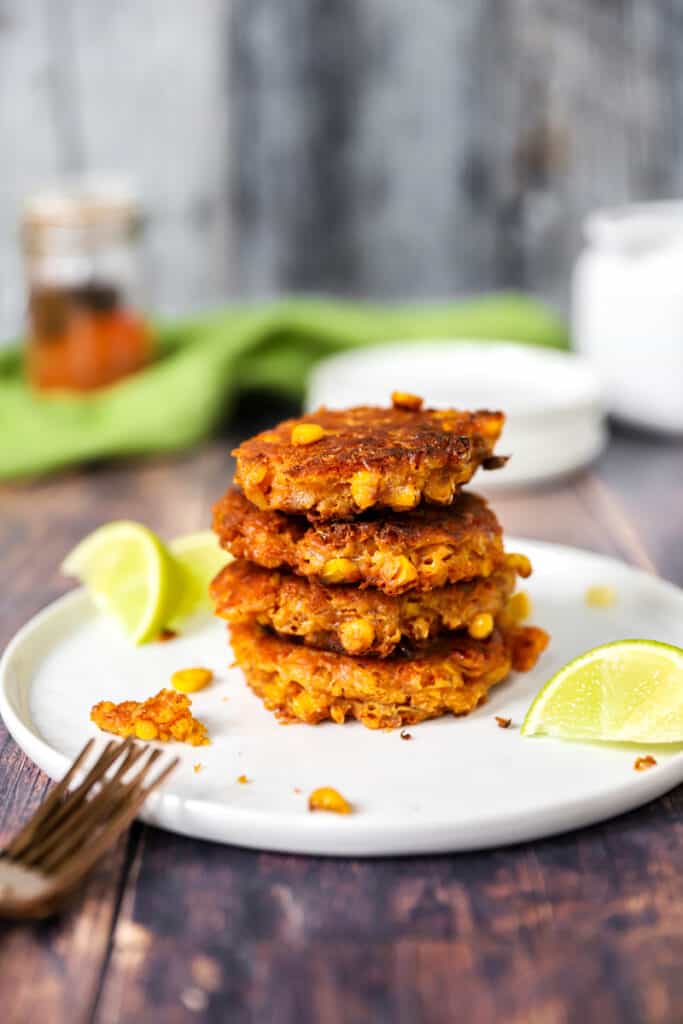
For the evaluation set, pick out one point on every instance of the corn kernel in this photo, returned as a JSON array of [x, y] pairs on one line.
[[339, 570], [404, 400], [242, 779], [356, 635], [257, 473], [600, 596], [146, 730], [481, 626], [364, 488], [303, 705], [256, 497], [189, 680], [439, 488], [520, 564], [403, 497], [328, 799], [400, 571], [307, 433], [518, 608]]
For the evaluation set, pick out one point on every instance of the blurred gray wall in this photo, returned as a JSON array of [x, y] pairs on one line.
[[379, 148]]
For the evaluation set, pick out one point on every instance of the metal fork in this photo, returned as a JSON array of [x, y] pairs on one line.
[[53, 852]]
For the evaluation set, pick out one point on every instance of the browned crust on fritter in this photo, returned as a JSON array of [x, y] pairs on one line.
[[350, 620], [449, 675], [368, 457], [291, 703], [443, 545]]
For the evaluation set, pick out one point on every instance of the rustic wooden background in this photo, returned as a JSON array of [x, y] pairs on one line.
[[382, 148]]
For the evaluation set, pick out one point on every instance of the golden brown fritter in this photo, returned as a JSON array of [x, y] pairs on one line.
[[337, 464], [427, 547], [452, 674], [353, 621]]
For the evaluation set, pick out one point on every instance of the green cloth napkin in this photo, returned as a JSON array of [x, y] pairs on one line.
[[206, 361]]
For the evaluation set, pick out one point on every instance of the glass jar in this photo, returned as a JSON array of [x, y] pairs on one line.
[[81, 249], [627, 311]]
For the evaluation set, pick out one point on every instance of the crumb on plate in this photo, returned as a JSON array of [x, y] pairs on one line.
[[406, 735], [600, 596], [164, 717], [641, 764], [328, 799], [503, 723], [197, 767], [242, 779], [165, 635]]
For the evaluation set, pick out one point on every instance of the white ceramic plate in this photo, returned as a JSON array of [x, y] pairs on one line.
[[458, 784], [554, 418]]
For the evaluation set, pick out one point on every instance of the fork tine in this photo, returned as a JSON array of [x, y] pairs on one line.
[[161, 777], [44, 824], [52, 800], [122, 817], [73, 829], [75, 817]]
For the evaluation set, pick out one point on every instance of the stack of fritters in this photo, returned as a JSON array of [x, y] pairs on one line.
[[366, 584]]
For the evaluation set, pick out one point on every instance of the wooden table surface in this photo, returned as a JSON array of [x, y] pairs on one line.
[[587, 926]]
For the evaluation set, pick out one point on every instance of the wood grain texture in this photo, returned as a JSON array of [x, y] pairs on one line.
[[139, 90], [348, 146], [395, 155], [584, 926]]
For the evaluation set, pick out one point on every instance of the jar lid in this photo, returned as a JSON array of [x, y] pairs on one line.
[[90, 202], [635, 227]]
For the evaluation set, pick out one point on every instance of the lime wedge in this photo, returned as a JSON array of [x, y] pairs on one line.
[[199, 557], [129, 573], [630, 691]]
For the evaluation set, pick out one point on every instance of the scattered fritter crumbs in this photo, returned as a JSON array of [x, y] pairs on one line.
[[642, 764], [406, 735], [196, 768], [600, 596], [328, 799], [165, 635], [165, 717], [503, 723], [242, 779]]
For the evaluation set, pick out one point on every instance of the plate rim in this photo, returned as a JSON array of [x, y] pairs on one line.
[[314, 834]]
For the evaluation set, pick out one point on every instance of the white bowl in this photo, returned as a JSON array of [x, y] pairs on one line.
[[555, 423], [627, 311]]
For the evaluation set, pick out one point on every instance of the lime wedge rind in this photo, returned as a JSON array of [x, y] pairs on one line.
[[628, 691]]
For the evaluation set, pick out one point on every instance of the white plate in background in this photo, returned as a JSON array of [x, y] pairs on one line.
[[555, 423], [459, 784]]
